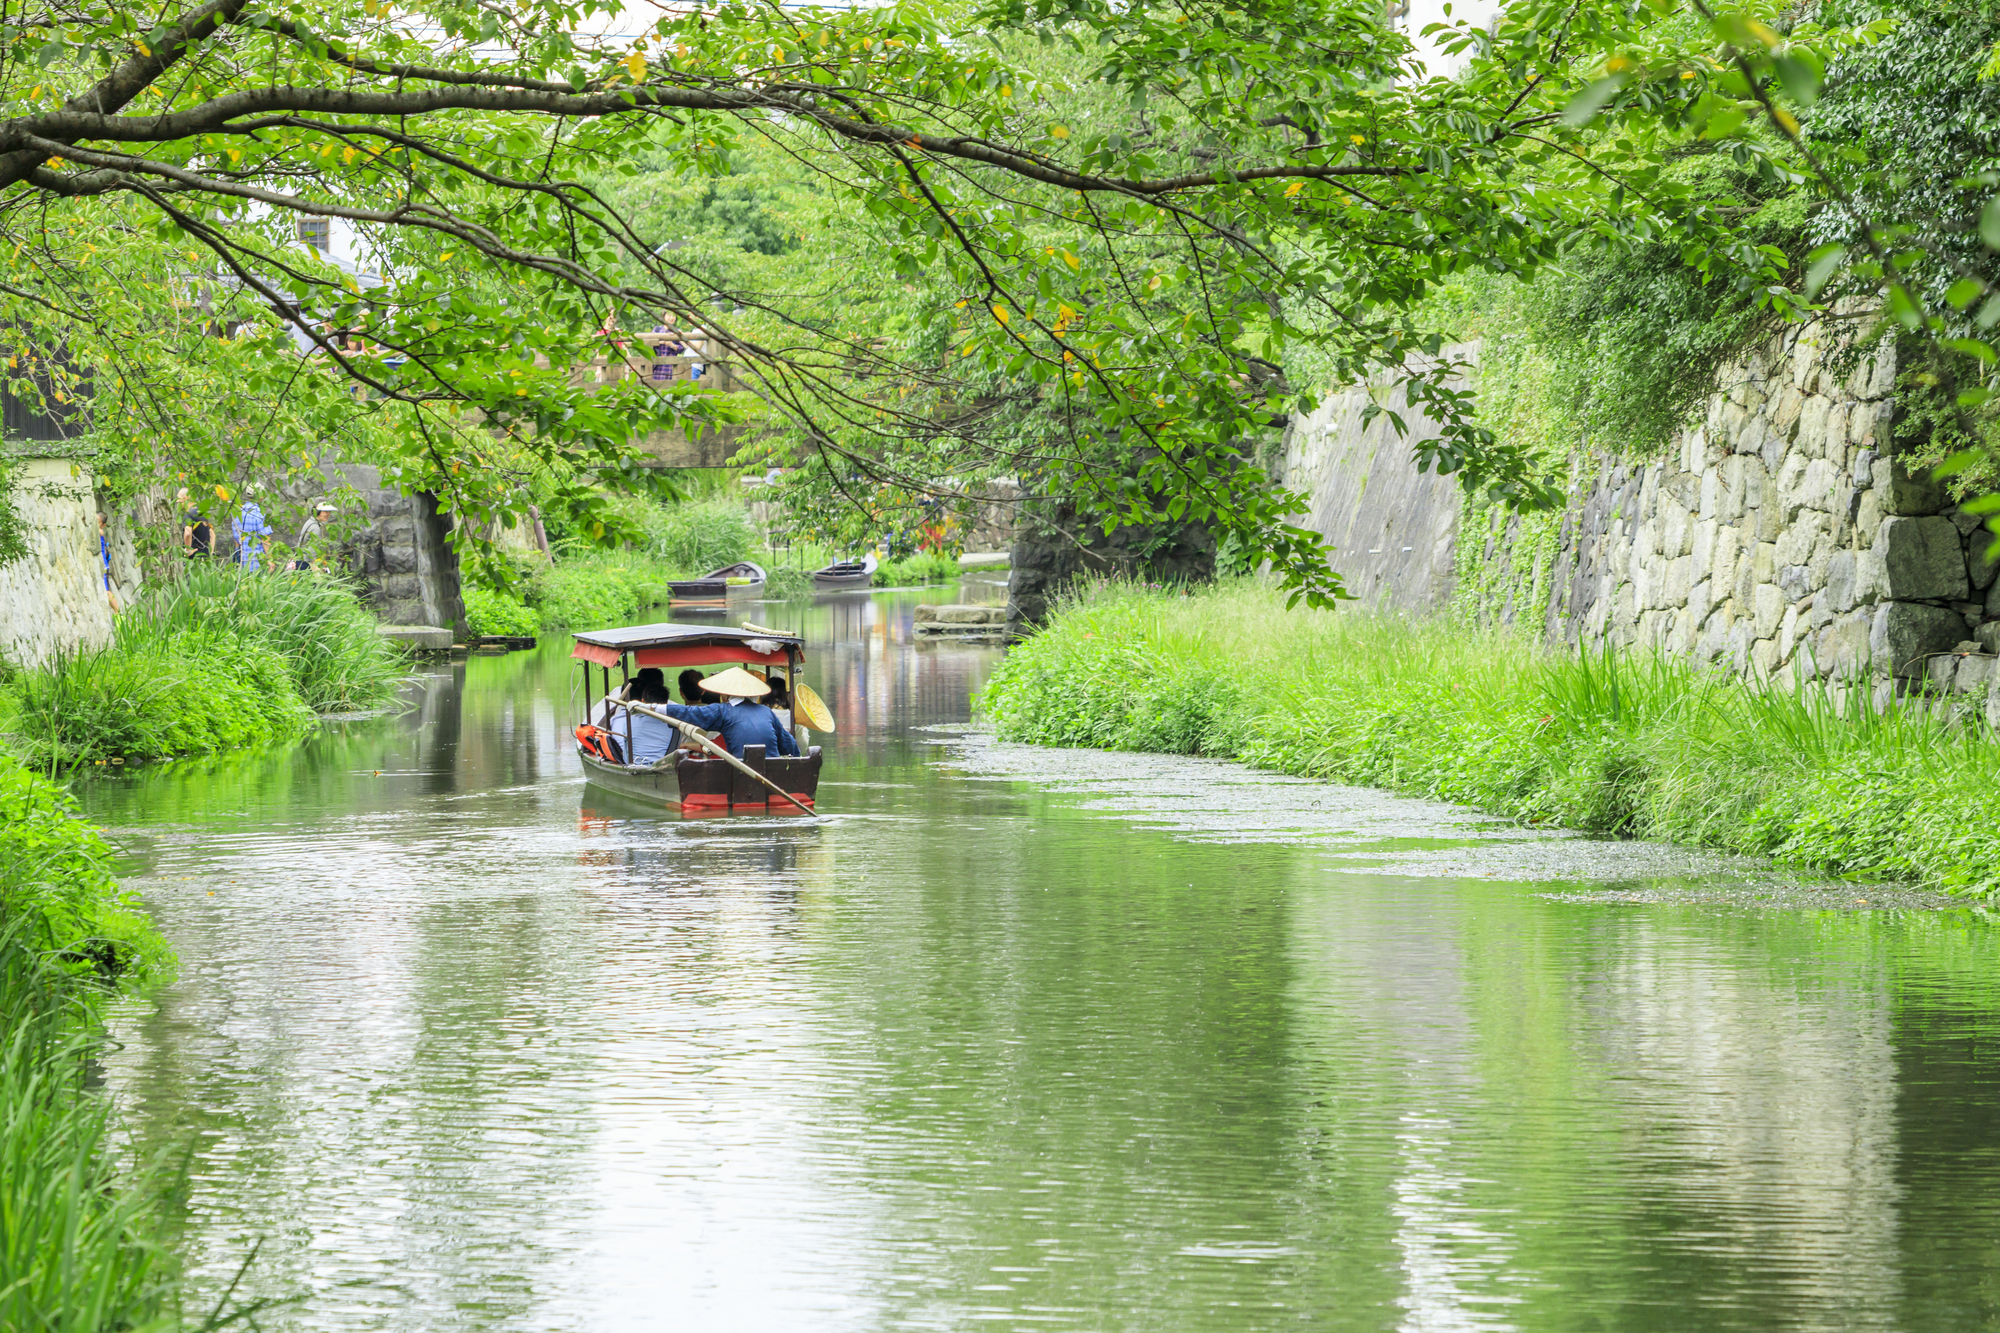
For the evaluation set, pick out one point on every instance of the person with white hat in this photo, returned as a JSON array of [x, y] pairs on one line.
[[740, 718]]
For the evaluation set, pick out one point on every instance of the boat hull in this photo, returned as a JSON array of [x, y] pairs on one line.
[[836, 582], [697, 786]]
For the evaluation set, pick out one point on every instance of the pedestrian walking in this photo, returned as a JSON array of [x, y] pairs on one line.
[[250, 530]]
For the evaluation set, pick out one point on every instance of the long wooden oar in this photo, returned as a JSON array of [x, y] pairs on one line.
[[693, 733]]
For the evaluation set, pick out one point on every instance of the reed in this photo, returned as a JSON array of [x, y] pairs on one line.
[[218, 661], [311, 621], [83, 1241], [1627, 744]]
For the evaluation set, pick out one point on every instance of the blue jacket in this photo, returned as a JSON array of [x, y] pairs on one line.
[[741, 724]]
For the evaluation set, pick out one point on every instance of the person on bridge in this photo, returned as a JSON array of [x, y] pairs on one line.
[[740, 718]]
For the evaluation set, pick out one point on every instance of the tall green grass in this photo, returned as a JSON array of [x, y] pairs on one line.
[[222, 660], [700, 535], [1633, 745], [311, 621], [82, 1235]]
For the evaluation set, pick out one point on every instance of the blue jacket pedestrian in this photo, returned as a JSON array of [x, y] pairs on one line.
[[250, 529]]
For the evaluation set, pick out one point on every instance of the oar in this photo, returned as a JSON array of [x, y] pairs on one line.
[[693, 733]]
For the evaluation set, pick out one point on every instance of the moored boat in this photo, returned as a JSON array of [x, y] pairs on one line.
[[845, 574], [744, 578], [691, 783]]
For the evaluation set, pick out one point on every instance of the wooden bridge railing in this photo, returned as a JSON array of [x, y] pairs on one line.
[[648, 356]]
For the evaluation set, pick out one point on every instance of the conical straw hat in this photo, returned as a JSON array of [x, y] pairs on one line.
[[809, 708], [737, 682]]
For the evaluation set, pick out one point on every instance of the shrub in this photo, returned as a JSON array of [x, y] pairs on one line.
[[490, 612], [58, 898], [700, 535], [922, 567]]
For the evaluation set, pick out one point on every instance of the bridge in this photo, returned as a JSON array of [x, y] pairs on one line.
[[651, 357]]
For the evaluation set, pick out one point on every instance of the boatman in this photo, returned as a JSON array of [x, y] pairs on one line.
[[740, 718]]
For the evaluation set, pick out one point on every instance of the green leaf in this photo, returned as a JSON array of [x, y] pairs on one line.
[[1989, 223], [1592, 100], [1958, 463], [1800, 79], [1963, 291], [1826, 261]]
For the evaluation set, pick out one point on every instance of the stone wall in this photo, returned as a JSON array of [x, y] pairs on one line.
[[403, 555], [52, 601], [1393, 530], [1781, 533], [1054, 548]]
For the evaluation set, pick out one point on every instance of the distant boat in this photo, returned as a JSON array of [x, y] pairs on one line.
[[743, 577], [845, 574]]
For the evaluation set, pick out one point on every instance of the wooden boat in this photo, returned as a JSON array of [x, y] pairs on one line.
[[693, 784], [845, 574], [744, 578]]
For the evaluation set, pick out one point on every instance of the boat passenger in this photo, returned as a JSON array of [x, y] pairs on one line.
[[603, 715], [691, 691], [652, 739], [740, 718]]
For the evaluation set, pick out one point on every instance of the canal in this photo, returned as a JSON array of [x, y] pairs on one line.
[[1023, 1039]]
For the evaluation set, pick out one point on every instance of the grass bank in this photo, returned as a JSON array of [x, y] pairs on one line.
[[83, 1241], [221, 660], [1634, 745], [589, 588]]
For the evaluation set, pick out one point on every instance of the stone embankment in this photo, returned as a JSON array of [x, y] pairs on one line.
[[1783, 533], [53, 601]]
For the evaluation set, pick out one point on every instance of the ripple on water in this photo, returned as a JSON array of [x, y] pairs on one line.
[[1029, 1038]]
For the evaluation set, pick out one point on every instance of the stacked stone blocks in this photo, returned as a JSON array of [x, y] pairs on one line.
[[1782, 534]]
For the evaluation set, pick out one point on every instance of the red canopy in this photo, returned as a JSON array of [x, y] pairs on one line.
[[696, 654]]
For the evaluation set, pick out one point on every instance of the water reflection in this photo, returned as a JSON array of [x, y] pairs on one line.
[[471, 1045]]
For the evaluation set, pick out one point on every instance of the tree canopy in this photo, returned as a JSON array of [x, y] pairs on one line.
[[1104, 225]]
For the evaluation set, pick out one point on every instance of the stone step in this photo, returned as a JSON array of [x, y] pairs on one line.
[[417, 638], [960, 614]]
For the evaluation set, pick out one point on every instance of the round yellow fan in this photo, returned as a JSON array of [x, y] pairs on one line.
[[811, 709]]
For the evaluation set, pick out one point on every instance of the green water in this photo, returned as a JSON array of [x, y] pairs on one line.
[[1024, 1039]]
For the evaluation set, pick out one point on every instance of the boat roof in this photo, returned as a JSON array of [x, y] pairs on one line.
[[628, 637], [686, 645]]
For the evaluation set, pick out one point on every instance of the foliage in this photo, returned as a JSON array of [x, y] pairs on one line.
[[1636, 746], [61, 902], [1121, 215], [596, 589], [312, 621], [219, 661], [699, 536], [492, 612], [917, 567], [1915, 108]]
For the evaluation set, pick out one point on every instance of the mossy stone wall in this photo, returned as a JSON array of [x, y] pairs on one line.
[[1781, 532]]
